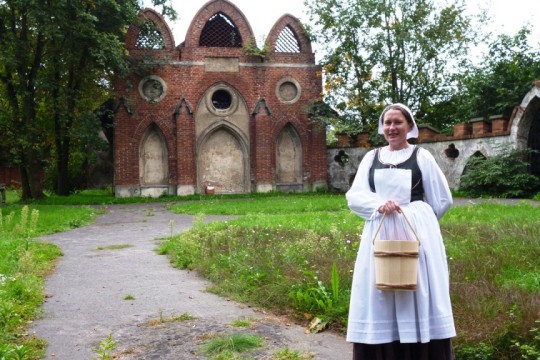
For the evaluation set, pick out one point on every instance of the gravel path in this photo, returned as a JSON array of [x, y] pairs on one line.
[[86, 297]]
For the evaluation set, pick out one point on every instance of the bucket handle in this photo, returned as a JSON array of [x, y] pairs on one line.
[[408, 223]]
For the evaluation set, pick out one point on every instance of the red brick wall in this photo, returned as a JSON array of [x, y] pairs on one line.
[[10, 176]]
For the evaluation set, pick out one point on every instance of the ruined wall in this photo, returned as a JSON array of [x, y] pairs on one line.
[[452, 152]]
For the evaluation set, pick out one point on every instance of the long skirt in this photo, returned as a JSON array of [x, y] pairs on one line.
[[433, 350]]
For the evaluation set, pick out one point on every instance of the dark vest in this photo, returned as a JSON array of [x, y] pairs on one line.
[[417, 189]]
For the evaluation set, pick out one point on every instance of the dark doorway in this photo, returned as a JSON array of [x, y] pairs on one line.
[[533, 143]]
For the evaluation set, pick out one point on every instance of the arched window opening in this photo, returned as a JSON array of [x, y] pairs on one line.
[[287, 41], [221, 99], [150, 37], [220, 31]]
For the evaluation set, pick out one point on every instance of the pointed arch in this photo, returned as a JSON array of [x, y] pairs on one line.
[[289, 157], [153, 158], [220, 31], [523, 115], [151, 32], [220, 14], [288, 35]]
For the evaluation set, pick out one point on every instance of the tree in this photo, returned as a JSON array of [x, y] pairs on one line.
[[499, 82], [385, 51], [55, 63]]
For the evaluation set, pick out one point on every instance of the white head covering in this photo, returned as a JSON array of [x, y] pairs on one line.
[[413, 133]]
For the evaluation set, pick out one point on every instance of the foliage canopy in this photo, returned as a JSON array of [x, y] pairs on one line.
[[386, 52]]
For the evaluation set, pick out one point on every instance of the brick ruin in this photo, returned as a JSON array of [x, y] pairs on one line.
[[210, 116]]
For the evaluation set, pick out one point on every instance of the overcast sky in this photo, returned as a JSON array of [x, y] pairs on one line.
[[507, 15]]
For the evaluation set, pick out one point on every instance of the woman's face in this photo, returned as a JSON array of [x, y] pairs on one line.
[[395, 129]]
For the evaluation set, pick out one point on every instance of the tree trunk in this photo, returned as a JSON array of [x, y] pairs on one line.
[[31, 171]]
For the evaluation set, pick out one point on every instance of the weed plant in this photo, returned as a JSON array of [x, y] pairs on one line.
[[296, 255], [229, 346], [23, 264]]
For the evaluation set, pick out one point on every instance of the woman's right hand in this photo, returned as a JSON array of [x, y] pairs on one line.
[[389, 207]]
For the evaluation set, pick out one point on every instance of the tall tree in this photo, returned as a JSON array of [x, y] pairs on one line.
[[55, 61], [22, 41], [84, 48], [382, 51]]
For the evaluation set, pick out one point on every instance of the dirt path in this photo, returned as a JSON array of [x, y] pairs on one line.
[[86, 297]]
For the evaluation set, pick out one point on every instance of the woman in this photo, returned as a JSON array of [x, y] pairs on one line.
[[401, 178]]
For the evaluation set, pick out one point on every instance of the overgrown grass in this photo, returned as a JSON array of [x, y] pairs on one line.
[[280, 253], [23, 266]]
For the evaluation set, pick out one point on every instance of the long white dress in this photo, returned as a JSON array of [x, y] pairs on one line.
[[376, 316]]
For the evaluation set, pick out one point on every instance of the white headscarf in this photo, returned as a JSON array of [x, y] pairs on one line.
[[413, 133]]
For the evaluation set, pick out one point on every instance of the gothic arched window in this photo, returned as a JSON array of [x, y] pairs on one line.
[[220, 31], [150, 37]]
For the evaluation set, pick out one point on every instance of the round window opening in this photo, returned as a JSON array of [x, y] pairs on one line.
[[152, 88], [221, 99], [288, 91]]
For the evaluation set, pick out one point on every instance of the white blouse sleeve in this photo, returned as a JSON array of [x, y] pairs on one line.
[[437, 192], [361, 200]]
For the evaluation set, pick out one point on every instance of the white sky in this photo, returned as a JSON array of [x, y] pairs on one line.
[[507, 15]]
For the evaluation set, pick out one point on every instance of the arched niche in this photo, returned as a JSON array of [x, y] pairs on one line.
[[289, 160], [153, 158], [222, 161]]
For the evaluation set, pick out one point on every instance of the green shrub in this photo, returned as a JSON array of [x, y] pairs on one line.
[[502, 176], [479, 351]]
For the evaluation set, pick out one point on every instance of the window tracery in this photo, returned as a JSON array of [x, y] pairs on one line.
[[287, 41]]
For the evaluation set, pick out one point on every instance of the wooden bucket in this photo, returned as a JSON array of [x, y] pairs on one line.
[[396, 262]]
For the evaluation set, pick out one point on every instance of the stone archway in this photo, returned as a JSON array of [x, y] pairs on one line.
[[289, 160], [153, 158], [222, 162]]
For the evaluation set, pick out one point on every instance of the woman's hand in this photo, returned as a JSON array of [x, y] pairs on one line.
[[389, 207]]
